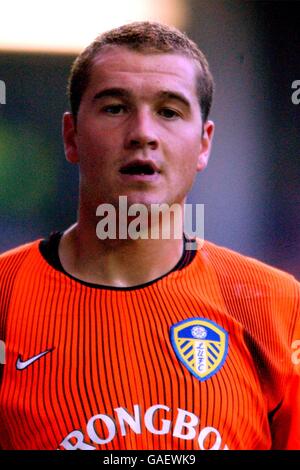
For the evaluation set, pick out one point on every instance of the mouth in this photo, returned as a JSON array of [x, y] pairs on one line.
[[139, 167], [144, 171]]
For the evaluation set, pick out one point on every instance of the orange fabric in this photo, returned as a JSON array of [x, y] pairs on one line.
[[110, 378]]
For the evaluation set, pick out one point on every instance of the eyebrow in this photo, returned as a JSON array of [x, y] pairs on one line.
[[112, 92], [172, 95], [123, 93]]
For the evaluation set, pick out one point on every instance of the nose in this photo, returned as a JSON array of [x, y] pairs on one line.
[[141, 132]]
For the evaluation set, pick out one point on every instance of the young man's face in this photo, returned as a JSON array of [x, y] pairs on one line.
[[139, 129]]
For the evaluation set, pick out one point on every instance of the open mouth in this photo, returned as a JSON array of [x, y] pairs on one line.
[[139, 168]]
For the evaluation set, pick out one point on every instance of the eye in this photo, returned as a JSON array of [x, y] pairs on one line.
[[114, 109], [169, 113]]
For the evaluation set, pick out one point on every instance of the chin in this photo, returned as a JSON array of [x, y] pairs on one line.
[[145, 201]]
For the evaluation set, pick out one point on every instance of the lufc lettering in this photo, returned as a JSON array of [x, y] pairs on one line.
[[200, 356], [166, 459], [186, 427]]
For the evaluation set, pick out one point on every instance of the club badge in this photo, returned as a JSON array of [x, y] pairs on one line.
[[201, 345]]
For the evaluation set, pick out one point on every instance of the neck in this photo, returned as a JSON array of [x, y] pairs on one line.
[[116, 262]]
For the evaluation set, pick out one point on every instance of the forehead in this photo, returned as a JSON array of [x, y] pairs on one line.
[[118, 65]]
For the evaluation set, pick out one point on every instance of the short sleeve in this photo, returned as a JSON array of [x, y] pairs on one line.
[[286, 421]]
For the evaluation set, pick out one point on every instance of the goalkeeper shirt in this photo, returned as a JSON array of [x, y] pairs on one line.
[[205, 357]]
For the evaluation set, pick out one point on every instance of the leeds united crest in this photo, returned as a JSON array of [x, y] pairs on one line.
[[201, 345]]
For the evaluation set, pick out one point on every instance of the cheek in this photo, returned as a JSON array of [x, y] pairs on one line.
[[95, 150], [90, 143], [184, 164], [187, 158]]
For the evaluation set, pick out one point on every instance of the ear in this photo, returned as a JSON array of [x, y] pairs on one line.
[[206, 142], [70, 138]]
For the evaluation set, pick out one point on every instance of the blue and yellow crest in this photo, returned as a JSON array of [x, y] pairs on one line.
[[201, 345]]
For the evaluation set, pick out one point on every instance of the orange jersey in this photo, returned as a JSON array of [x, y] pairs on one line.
[[206, 357]]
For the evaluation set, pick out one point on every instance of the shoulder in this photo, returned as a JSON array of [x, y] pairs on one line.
[[245, 282], [234, 266], [12, 260], [18, 251]]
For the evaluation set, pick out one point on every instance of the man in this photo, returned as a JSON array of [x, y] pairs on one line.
[[118, 342]]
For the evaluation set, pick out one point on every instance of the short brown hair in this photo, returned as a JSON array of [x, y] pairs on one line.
[[144, 37]]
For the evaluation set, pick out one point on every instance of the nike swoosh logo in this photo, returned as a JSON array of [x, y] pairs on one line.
[[20, 364]]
